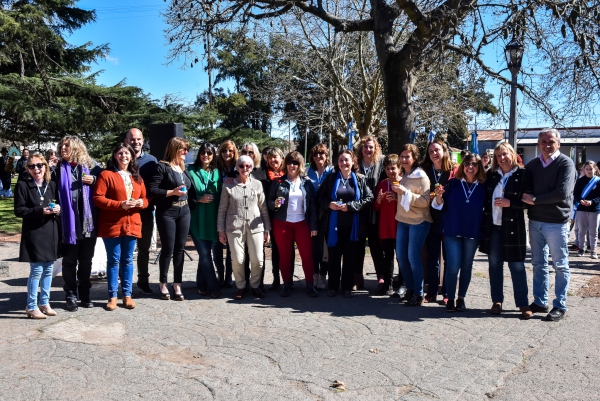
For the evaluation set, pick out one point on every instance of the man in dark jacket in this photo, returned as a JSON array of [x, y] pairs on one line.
[[21, 167], [146, 164], [549, 178], [6, 169]]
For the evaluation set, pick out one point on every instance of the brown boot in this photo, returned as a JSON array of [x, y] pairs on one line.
[[128, 303], [526, 312], [112, 304]]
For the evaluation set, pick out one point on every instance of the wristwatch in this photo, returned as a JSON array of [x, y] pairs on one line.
[[533, 199]]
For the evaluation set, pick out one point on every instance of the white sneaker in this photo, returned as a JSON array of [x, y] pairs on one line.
[[322, 283], [594, 255]]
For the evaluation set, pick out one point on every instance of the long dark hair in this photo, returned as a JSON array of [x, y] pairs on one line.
[[354, 168], [133, 164], [204, 147], [447, 163]]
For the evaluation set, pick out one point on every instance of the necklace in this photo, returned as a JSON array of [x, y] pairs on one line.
[[344, 181], [40, 192], [366, 169], [470, 189], [437, 174], [293, 185]]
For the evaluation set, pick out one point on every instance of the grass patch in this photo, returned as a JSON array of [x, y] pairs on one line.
[[9, 223]]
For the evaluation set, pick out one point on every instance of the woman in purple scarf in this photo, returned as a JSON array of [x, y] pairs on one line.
[[74, 181]]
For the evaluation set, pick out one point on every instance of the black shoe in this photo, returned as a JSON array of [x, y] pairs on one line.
[[450, 306], [381, 290], [275, 285], [409, 294], [555, 315], [247, 288], [256, 292], [72, 305], [227, 284], [87, 304], [415, 300], [348, 294], [286, 290], [460, 305], [145, 287], [535, 308], [311, 290], [331, 293]]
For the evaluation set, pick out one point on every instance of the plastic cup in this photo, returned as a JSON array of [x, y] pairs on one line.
[[183, 189]]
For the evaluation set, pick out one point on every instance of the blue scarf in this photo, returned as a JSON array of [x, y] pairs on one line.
[[332, 236], [588, 188]]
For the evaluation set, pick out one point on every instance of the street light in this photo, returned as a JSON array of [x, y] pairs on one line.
[[514, 55]]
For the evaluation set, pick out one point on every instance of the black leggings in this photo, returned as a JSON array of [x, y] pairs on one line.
[[376, 251], [173, 226], [389, 247], [345, 250]]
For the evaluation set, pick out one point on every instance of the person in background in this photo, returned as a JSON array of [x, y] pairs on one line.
[[146, 164], [75, 178], [587, 207], [40, 241], [342, 196], [243, 218], [52, 161], [292, 202], [320, 168], [21, 167], [168, 188], [119, 195], [486, 159], [550, 198], [6, 169], [386, 204], [462, 202], [206, 185], [369, 164], [504, 228], [414, 219], [274, 162], [439, 168], [227, 155]]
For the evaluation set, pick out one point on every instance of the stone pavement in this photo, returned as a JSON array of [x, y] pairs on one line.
[[294, 348]]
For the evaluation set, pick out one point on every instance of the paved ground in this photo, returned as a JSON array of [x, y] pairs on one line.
[[294, 348]]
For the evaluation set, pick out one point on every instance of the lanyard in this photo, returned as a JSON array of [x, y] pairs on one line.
[[437, 176], [367, 170], [39, 192], [471, 190]]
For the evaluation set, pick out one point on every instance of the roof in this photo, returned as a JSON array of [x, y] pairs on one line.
[[489, 135], [528, 136]]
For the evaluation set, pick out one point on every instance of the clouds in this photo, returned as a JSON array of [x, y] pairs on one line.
[[112, 60]]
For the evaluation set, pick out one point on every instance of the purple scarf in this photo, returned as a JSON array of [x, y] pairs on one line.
[[66, 200]]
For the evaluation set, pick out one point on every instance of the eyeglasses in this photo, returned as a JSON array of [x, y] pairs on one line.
[[472, 164], [38, 166], [293, 163], [185, 149], [206, 153], [321, 153], [245, 166], [227, 151], [247, 152]]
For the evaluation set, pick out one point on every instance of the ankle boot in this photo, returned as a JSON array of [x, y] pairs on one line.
[[112, 304], [276, 283], [311, 291], [128, 303], [359, 281], [286, 290]]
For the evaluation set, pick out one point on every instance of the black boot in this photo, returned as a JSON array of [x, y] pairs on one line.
[[311, 291], [286, 290], [276, 283]]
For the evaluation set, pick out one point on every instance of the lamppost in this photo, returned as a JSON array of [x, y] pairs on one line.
[[514, 55]]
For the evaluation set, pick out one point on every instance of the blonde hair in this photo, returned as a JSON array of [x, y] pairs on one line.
[[227, 144], [513, 155], [363, 141], [41, 158], [254, 148], [79, 152], [172, 152], [294, 156]]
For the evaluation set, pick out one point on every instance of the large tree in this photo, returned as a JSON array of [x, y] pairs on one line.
[[561, 38]]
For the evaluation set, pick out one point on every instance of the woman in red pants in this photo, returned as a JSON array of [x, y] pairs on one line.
[[293, 204]]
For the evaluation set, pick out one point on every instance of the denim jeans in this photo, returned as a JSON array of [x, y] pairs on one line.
[[119, 252], [517, 272], [460, 253], [206, 277], [549, 238], [410, 239], [40, 275]]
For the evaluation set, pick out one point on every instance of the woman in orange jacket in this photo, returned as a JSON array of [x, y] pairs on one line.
[[120, 195]]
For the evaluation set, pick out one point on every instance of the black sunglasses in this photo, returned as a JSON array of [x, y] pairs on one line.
[[38, 165], [294, 163], [206, 152]]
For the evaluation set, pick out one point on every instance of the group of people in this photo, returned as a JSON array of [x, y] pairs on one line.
[[237, 200]]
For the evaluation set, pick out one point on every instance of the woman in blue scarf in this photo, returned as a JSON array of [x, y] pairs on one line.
[[342, 196]]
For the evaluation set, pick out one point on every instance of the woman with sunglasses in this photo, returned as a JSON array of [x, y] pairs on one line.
[[439, 169], [206, 190], [292, 203], [119, 195], [320, 168], [462, 202], [243, 219], [342, 196], [169, 191], [40, 239]]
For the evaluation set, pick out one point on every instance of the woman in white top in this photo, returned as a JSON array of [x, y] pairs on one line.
[[293, 203]]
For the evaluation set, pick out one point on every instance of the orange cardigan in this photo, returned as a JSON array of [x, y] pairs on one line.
[[113, 220]]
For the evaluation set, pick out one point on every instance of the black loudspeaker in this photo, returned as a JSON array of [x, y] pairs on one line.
[[159, 136]]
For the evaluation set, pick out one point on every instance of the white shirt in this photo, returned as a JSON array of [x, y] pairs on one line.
[[295, 210], [499, 193]]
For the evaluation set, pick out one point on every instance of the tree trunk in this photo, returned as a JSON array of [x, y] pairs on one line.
[[398, 89]]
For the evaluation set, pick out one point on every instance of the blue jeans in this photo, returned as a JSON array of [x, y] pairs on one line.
[[206, 277], [410, 239], [550, 238], [460, 253], [40, 275], [517, 272], [119, 252]]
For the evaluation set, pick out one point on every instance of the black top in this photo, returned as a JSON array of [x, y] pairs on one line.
[[163, 180], [373, 176], [281, 188], [593, 195], [441, 179]]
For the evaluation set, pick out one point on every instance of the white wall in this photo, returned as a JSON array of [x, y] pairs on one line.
[[591, 152]]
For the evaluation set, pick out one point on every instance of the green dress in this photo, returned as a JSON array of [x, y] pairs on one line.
[[204, 216]]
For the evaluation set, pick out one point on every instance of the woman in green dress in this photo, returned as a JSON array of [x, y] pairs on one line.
[[204, 201]]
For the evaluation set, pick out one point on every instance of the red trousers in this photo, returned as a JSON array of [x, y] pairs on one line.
[[285, 234]]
